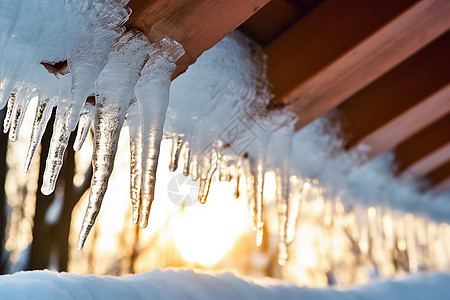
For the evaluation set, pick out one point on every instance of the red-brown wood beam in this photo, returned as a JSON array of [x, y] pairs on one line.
[[429, 163], [400, 103], [439, 175], [196, 24], [275, 18], [426, 150], [342, 46], [442, 187]]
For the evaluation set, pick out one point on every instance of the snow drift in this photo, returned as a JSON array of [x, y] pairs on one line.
[[186, 284]]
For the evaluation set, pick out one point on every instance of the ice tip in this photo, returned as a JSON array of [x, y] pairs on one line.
[[80, 243], [46, 189], [173, 166], [26, 166], [143, 222], [135, 217]]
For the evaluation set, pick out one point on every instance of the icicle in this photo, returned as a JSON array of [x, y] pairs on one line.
[[221, 166], [259, 205], [9, 111], [280, 142], [135, 126], [282, 194], [256, 173], [43, 113], [152, 92], [115, 86], [250, 180], [223, 169], [55, 158], [207, 168], [187, 158], [177, 143], [194, 167], [86, 119], [231, 171], [254, 169], [237, 178], [59, 141], [294, 204], [20, 107]]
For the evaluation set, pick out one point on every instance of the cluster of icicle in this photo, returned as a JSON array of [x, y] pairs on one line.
[[219, 123], [218, 119], [112, 74]]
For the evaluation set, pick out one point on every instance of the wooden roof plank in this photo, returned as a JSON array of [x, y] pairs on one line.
[[442, 187], [401, 102], [428, 163], [408, 123], [342, 46], [420, 148], [439, 175], [196, 24]]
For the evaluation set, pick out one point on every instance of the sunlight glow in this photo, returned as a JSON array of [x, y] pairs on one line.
[[205, 233]]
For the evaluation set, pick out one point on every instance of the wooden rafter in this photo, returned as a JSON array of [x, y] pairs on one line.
[[426, 150], [342, 46], [196, 24], [405, 100], [439, 175], [442, 187], [430, 162]]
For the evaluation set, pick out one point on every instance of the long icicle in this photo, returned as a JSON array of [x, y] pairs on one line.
[[208, 166], [9, 111], [114, 96], [43, 113], [59, 141], [250, 184], [135, 126], [283, 139], [187, 159], [55, 158], [177, 144], [258, 169], [152, 92], [20, 107], [295, 206], [237, 178]]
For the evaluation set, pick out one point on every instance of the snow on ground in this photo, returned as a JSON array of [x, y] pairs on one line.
[[187, 284]]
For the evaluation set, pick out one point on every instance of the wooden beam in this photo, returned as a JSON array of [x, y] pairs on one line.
[[442, 187], [271, 21], [196, 24], [405, 100], [427, 146], [428, 163], [342, 46], [439, 175], [408, 123], [275, 18]]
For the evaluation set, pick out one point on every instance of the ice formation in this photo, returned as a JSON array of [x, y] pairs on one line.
[[217, 117]]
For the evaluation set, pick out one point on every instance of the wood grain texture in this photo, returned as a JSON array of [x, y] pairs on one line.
[[400, 103], [342, 46], [416, 153], [196, 24]]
